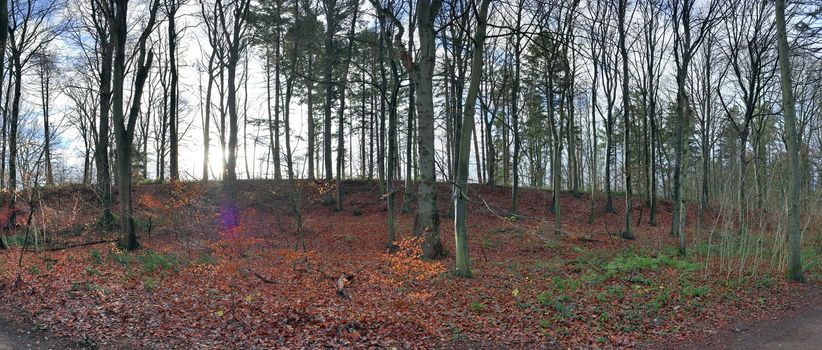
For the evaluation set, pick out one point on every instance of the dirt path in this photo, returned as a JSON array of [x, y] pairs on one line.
[[12, 339], [802, 331], [799, 329]]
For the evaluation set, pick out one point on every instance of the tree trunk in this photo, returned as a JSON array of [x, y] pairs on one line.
[[207, 115], [792, 145], [125, 125], [102, 142], [173, 166], [626, 108], [341, 113], [463, 267], [274, 129], [309, 87], [45, 89], [329, 86], [408, 193], [426, 223], [14, 120], [682, 118], [230, 215], [515, 118]]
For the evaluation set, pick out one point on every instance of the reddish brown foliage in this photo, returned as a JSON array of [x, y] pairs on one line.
[[249, 287]]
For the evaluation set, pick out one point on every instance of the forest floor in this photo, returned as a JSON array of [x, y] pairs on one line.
[[194, 285], [797, 328], [18, 337]]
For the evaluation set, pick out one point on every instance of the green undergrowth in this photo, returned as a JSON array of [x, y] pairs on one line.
[[149, 261], [645, 283]]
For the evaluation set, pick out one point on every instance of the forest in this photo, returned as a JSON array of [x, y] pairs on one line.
[[414, 174]]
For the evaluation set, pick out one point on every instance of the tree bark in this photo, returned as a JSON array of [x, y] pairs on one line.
[[330, 14], [463, 267], [173, 168], [426, 223], [626, 109], [792, 144]]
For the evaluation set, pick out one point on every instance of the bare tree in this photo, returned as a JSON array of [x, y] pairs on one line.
[[464, 154], [124, 124], [686, 44], [46, 67], [32, 25], [792, 145], [171, 8]]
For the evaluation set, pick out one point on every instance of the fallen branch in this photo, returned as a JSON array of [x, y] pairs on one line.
[[266, 280], [80, 245]]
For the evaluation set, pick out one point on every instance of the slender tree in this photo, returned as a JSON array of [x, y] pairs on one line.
[[463, 157], [792, 145], [124, 124], [626, 109], [171, 8]]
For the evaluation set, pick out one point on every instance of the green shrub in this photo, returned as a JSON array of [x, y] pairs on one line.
[[96, 259], [456, 333], [149, 284], [564, 285], [122, 258], [487, 244], [634, 263], [544, 323], [477, 306], [564, 310], [661, 299], [765, 281], [153, 262], [545, 298], [592, 277], [695, 292], [616, 291]]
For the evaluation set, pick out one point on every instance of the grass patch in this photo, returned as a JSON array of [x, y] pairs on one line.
[[120, 257], [149, 284], [766, 281], [545, 298], [592, 277], [153, 262], [477, 306], [566, 285], [91, 271], [456, 333], [696, 292], [488, 244], [635, 263], [552, 244]]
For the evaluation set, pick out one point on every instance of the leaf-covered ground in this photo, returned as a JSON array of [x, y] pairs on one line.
[[192, 285]]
